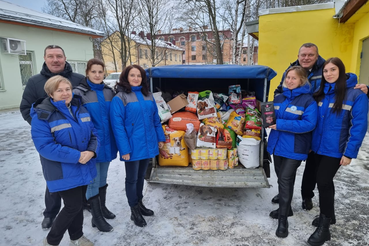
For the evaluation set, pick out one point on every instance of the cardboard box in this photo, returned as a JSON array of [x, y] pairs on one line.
[[177, 103]]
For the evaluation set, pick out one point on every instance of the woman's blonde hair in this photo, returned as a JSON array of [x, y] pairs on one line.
[[52, 84], [301, 72]]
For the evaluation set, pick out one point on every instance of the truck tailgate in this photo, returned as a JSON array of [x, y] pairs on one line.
[[238, 177]]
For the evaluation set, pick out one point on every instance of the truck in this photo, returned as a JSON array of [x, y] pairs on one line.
[[216, 78]]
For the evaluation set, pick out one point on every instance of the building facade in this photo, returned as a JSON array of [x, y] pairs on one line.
[[139, 51], [24, 35]]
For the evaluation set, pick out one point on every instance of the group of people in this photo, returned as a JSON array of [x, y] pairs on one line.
[[321, 117], [77, 125]]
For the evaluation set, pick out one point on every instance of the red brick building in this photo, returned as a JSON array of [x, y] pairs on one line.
[[199, 44]]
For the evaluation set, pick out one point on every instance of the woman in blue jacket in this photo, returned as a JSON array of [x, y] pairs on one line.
[[64, 136], [96, 98], [290, 138], [341, 127], [138, 133]]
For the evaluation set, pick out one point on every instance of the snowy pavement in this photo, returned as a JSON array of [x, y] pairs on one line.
[[183, 215]]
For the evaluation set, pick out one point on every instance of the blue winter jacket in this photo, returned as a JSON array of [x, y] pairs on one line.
[[296, 116], [314, 76], [96, 98], [136, 124], [60, 138], [341, 134]]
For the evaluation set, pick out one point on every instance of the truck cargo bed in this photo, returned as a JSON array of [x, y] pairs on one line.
[[238, 177]]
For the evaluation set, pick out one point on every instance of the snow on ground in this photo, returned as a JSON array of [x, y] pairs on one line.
[[183, 215]]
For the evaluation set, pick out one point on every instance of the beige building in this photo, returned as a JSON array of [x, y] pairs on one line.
[[139, 52]]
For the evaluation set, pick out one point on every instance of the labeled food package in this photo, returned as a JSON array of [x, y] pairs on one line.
[[214, 164], [213, 121], [236, 123], [249, 102], [223, 164], [224, 139], [252, 133], [192, 98], [248, 152], [212, 154], [205, 164], [196, 164], [239, 109], [177, 103], [206, 136], [163, 109], [180, 120], [233, 136], [196, 154], [220, 101], [232, 155], [267, 113], [252, 119], [174, 151], [205, 105], [234, 92], [222, 154]]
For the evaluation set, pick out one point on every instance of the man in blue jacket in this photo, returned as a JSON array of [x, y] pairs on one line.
[[309, 58], [55, 64]]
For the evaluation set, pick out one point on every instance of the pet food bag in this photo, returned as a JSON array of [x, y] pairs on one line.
[[267, 113], [175, 151], [236, 123], [192, 98], [163, 109], [234, 92], [248, 152], [205, 105], [180, 120], [206, 136]]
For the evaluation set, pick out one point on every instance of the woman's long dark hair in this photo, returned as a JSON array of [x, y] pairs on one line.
[[340, 87], [124, 84]]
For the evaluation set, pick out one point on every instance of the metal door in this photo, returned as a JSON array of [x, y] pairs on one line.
[[364, 66]]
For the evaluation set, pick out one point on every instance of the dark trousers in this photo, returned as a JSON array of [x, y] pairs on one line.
[[135, 174], [327, 169], [309, 177], [52, 203], [70, 217], [286, 180]]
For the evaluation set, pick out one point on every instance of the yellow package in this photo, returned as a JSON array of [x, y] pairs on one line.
[[236, 123], [175, 151], [196, 164], [213, 121], [214, 164], [205, 164]]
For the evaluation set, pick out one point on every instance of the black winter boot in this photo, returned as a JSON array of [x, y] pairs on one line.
[[321, 233], [282, 229], [307, 204], [145, 211], [275, 213], [136, 216], [316, 221], [275, 199], [105, 211], [97, 217]]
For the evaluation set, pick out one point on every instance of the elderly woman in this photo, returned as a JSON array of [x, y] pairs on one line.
[[64, 136]]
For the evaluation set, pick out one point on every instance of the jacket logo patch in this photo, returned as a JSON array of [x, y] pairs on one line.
[[60, 127]]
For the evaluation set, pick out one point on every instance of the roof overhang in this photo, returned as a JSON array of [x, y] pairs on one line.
[[352, 10], [253, 28]]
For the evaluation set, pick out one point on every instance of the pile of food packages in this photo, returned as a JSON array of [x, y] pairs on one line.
[[212, 131]]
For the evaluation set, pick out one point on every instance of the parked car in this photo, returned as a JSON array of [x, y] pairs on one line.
[[112, 79]]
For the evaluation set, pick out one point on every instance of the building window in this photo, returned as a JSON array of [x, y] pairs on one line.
[[193, 48], [204, 37], [244, 59], [161, 38], [203, 57], [183, 43], [26, 67], [175, 57], [244, 51], [157, 54], [146, 56], [140, 53], [193, 38], [221, 37], [204, 47], [78, 66], [193, 57], [171, 39], [170, 56]]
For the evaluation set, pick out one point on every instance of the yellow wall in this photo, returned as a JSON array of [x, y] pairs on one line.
[[282, 34], [361, 32]]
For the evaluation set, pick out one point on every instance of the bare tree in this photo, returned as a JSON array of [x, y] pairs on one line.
[[154, 16]]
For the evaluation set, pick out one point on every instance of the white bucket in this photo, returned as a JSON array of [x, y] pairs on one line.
[[248, 152]]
